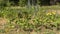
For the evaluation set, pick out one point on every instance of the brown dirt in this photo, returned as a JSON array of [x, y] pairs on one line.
[[58, 11], [3, 21]]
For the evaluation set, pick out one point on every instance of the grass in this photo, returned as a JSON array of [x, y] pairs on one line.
[[23, 20]]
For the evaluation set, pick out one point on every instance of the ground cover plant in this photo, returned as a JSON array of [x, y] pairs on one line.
[[28, 20]]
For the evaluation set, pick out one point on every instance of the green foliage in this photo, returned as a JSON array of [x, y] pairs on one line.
[[28, 19], [22, 2], [4, 3]]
